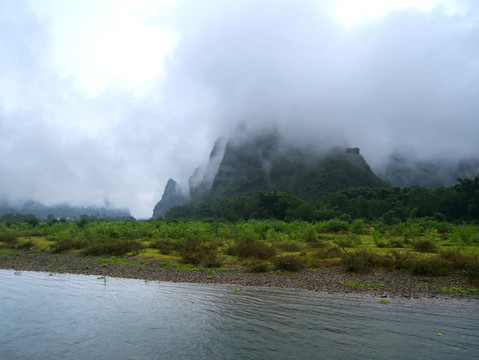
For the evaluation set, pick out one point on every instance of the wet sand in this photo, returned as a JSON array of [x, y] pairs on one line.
[[330, 280]]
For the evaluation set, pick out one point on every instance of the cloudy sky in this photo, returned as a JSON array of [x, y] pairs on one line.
[[101, 101]]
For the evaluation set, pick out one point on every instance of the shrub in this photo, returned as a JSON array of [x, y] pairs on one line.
[[165, 246], [333, 225], [328, 252], [258, 266], [288, 246], [435, 266], [249, 247], [456, 259], [345, 217], [471, 270], [25, 245], [396, 243], [361, 260], [9, 237], [425, 246], [390, 218], [465, 234], [377, 236], [197, 251], [403, 260], [67, 245], [303, 231], [112, 247], [289, 263], [352, 240], [391, 243], [358, 227]]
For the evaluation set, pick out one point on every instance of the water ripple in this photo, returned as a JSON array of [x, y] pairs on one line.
[[82, 317]]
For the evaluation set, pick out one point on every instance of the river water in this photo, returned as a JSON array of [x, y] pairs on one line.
[[61, 316]]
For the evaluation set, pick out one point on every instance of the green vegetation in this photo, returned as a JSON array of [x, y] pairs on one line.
[[419, 246], [386, 205]]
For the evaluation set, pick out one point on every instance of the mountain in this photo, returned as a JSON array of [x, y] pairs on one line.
[[63, 210], [266, 162], [402, 171], [172, 196]]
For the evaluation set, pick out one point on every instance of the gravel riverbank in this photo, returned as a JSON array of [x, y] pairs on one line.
[[331, 280]]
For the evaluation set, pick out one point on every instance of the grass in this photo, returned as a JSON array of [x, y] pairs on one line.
[[262, 246]]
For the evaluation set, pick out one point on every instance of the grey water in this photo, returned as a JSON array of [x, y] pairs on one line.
[[61, 316]]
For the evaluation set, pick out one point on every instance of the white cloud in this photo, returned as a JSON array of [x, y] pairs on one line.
[[353, 13], [102, 44]]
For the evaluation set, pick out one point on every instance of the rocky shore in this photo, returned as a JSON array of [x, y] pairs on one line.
[[330, 280]]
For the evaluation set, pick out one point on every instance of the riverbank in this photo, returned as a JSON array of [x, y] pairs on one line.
[[332, 280]]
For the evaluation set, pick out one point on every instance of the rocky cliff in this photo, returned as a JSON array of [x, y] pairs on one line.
[[267, 163], [172, 196]]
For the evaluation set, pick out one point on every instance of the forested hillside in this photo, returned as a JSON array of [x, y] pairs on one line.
[[391, 204], [267, 163]]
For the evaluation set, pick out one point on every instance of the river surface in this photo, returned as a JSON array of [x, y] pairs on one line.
[[61, 316]]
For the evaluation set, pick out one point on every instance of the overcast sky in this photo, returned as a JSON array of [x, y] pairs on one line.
[[101, 101]]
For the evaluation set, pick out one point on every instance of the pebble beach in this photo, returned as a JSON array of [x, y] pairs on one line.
[[331, 280]]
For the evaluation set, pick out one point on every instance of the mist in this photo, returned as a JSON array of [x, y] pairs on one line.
[[403, 82]]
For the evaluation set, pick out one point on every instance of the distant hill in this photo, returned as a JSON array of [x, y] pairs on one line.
[[266, 162], [402, 170], [61, 211]]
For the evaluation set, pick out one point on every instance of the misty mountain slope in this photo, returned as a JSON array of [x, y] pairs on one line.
[[403, 170], [62, 210], [172, 196], [202, 178], [266, 162]]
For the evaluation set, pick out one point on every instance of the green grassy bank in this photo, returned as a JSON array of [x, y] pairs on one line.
[[422, 246]]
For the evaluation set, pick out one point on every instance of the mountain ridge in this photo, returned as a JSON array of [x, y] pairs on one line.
[[265, 162]]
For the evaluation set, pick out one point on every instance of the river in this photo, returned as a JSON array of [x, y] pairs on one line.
[[63, 316]]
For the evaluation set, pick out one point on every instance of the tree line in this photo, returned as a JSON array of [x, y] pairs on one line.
[[390, 204]]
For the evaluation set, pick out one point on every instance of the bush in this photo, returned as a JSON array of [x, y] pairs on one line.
[[390, 218], [425, 246], [435, 266], [352, 240], [391, 243], [289, 263], [9, 237], [165, 246], [403, 260], [333, 225], [457, 260], [396, 243], [328, 252], [288, 246], [249, 247], [112, 247], [258, 266], [362, 260], [25, 245], [358, 227], [67, 245], [465, 234], [471, 270], [345, 217], [196, 251]]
